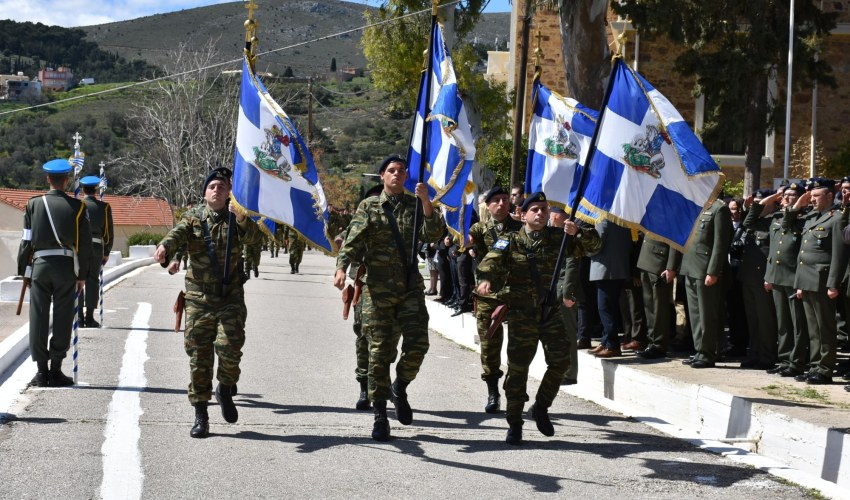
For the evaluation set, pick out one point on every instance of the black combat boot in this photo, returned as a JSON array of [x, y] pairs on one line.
[[296, 268], [514, 436], [540, 414], [381, 428], [55, 377], [90, 322], [256, 272], [224, 398], [363, 401], [292, 267], [41, 378], [398, 392], [493, 397], [201, 429]]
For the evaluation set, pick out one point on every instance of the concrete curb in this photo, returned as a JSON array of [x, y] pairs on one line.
[[746, 431]]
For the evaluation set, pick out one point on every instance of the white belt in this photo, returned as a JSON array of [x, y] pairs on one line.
[[53, 253], [97, 240]]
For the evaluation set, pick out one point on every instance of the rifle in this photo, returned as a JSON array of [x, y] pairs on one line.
[[179, 305], [26, 281]]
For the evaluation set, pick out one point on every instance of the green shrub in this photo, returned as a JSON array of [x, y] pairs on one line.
[[144, 239]]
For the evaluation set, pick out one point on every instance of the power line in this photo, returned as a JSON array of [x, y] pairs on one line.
[[218, 65]]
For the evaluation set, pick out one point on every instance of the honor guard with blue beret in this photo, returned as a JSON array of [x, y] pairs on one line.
[[821, 265], [523, 263], [484, 235], [100, 222], [213, 234], [56, 249]]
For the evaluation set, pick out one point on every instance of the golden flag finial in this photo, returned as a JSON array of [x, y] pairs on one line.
[[251, 26], [538, 52]]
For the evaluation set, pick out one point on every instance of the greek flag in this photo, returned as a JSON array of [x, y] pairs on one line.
[[558, 142], [449, 148], [101, 187], [77, 160], [648, 170], [273, 172]]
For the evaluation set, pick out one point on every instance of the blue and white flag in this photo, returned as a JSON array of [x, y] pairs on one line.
[[558, 142], [649, 171], [273, 172], [101, 186], [449, 148], [78, 159]]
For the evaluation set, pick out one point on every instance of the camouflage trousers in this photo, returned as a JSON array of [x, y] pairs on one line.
[[523, 336], [296, 251], [252, 257], [361, 344], [491, 349], [213, 327], [387, 316]]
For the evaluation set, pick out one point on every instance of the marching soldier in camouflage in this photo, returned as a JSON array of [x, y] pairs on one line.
[[100, 222], [525, 262], [821, 265], [380, 236], [297, 244], [251, 256], [56, 243], [792, 332], [483, 236], [215, 299]]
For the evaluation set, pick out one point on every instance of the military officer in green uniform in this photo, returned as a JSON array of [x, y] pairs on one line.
[[381, 236], [658, 264], [483, 235], [56, 248], [821, 264], [525, 262], [760, 310], [703, 267], [792, 332], [100, 222], [215, 299]]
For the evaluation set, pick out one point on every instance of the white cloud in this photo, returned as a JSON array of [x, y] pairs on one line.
[[70, 13]]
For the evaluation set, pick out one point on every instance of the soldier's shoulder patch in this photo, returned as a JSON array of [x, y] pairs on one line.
[[501, 244]]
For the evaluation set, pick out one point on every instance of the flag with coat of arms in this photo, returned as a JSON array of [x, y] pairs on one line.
[[648, 170], [558, 142], [273, 172], [449, 149]]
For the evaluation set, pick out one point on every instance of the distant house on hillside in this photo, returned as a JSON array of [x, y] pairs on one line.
[[60, 79], [18, 87], [131, 215]]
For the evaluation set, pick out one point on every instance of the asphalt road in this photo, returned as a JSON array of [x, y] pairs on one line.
[[124, 431]]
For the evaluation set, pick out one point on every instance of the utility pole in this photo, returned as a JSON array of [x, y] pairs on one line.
[[519, 106], [309, 111]]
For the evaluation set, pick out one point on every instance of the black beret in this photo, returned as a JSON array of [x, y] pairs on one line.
[[374, 191], [820, 182], [762, 193], [222, 173], [495, 190], [533, 198], [391, 159], [845, 179], [794, 186]]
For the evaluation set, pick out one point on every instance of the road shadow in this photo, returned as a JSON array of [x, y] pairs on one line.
[[10, 417]]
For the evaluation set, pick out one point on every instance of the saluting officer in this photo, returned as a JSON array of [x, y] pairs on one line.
[[215, 297], [484, 235], [821, 265], [380, 236], [57, 241], [791, 330], [100, 221], [526, 261]]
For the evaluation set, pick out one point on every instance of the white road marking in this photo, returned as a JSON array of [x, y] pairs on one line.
[[122, 459]]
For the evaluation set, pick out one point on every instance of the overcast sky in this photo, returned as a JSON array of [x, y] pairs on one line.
[[70, 13]]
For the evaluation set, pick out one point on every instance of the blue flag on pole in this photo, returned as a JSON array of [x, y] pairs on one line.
[[558, 142], [649, 171], [273, 173], [449, 147]]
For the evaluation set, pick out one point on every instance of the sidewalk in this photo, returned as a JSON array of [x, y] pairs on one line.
[[795, 431]]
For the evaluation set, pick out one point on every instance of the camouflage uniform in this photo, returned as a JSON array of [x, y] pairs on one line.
[[252, 255], [215, 315], [508, 261], [391, 305], [484, 236], [297, 244]]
